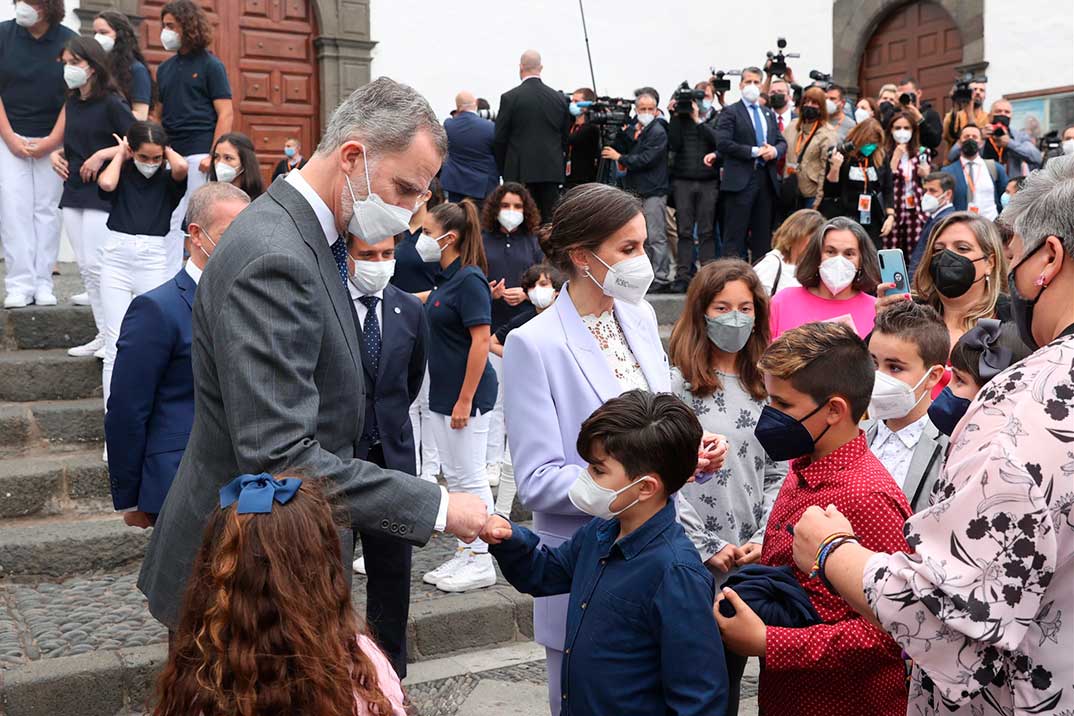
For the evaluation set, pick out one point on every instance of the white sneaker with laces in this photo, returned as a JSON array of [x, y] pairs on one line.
[[359, 565], [476, 572], [44, 297], [16, 300], [88, 349], [447, 567], [492, 472], [81, 299]]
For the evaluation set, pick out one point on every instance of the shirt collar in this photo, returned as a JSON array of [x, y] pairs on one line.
[[356, 294], [909, 436], [976, 160], [633, 544], [320, 209], [813, 473], [445, 274], [193, 271]]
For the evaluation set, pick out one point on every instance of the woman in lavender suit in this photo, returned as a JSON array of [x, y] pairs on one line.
[[598, 340]]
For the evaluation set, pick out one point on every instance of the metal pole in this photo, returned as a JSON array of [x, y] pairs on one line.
[[585, 33]]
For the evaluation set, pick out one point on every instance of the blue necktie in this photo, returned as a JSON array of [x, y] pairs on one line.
[[371, 342], [339, 250], [758, 127]]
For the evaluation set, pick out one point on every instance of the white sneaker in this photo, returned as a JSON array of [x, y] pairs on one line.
[[104, 455], [88, 349], [476, 572], [492, 472], [16, 300], [80, 299], [44, 297], [447, 567], [359, 565], [99, 353]]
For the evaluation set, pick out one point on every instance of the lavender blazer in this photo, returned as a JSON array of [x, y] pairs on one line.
[[555, 376]]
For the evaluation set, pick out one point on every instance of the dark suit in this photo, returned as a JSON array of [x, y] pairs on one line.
[[390, 390], [748, 185], [923, 239], [151, 406], [532, 128], [961, 196], [470, 168]]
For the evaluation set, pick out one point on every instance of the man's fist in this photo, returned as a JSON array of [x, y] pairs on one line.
[[466, 515], [496, 530]]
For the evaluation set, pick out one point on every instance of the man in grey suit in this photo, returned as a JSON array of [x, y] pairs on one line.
[[278, 380]]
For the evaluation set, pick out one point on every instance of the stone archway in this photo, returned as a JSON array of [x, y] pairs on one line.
[[854, 22]]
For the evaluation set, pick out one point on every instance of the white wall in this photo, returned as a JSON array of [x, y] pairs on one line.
[[1029, 46], [443, 47]]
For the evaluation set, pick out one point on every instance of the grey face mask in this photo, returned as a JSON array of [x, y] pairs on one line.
[[730, 331]]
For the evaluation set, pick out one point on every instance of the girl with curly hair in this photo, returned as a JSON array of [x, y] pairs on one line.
[[267, 626], [113, 31]]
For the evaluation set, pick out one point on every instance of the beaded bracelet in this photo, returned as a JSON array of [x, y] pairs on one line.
[[821, 547], [828, 553]]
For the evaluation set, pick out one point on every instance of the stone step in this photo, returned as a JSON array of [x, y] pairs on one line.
[[38, 426], [59, 547], [668, 307], [46, 327], [27, 375], [54, 483]]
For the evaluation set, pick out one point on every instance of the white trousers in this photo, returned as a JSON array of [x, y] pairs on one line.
[[426, 457], [130, 265], [194, 179], [497, 430], [29, 222], [462, 457], [87, 230]]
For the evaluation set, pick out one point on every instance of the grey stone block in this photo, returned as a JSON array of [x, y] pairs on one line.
[[85, 684], [523, 612], [87, 476], [142, 665], [462, 621], [668, 307], [47, 327], [16, 427], [70, 421], [29, 486], [48, 375], [59, 549]]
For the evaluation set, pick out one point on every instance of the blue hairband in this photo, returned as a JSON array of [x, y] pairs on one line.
[[255, 493]]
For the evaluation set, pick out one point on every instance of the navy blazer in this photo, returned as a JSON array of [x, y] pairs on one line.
[[961, 200], [923, 239], [151, 405], [397, 381], [735, 140], [470, 167]]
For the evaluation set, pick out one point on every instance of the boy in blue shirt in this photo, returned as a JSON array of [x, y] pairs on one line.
[[641, 637]]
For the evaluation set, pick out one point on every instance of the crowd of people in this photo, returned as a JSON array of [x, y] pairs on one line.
[[849, 462]]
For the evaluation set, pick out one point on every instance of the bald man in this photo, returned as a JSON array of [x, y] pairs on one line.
[[470, 169], [532, 128]]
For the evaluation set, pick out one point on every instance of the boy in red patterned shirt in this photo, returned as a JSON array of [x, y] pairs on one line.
[[819, 379]]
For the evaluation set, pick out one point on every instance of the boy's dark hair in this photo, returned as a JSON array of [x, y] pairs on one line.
[[533, 274], [822, 360], [947, 182], [648, 433], [919, 324], [968, 360]]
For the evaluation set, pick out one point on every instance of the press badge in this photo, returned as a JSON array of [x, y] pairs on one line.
[[974, 209], [911, 201], [865, 208]]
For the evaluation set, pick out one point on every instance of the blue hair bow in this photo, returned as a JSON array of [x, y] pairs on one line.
[[255, 493]]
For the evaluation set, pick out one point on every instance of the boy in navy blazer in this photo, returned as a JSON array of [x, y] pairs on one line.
[[151, 407], [392, 335]]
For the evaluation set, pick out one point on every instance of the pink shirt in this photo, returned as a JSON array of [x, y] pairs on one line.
[[793, 307], [387, 679]]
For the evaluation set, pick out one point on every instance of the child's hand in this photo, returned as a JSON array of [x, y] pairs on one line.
[[711, 453], [496, 530], [743, 633], [725, 558], [748, 554], [124, 147]]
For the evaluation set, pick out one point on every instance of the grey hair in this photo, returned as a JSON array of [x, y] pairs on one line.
[[753, 70], [199, 209], [1044, 206], [384, 113]]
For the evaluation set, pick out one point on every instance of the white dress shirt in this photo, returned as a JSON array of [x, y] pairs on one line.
[[764, 123], [895, 450], [360, 308], [193, 271], [328, 225], [984, 194]]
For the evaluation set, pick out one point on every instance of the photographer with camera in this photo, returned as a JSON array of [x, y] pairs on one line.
[[808, 140], [968, 97], [1012, 148], [695, 183], [583, 144], [858, 184], [929, 126], [641, 150], [979, 183]]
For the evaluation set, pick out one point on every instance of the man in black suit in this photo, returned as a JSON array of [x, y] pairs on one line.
[[532, 128], [750, 145], [392, 342]]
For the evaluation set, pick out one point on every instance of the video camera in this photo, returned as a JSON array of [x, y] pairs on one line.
[[778, 65], [824, 81], [962, 93], [685, 98], [1001, 126], [610, 114], [719, 84]]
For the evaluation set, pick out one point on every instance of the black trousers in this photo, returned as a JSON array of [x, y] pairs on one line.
[[695, 203], [387, 603], [455, 198], [747, 218], [546, 194]]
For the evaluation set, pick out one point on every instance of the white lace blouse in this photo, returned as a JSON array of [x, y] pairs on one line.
[[621, 361]]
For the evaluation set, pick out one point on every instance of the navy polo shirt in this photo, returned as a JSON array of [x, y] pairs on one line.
[[509, 255], [144, 206], [524, 317], [141, 84], [31, 77], [188, 84], [460, 299], [411, 273], [90, 125]]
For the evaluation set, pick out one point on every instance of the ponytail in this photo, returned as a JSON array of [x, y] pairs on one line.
[[463, 219]]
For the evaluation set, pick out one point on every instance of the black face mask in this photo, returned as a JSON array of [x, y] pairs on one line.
[[810, 114], [970, 148], [1022, 307], [953, 273], [777, 100], [1003, 119]]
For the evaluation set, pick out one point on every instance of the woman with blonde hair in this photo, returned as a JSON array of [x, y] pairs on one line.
[[776, 268]]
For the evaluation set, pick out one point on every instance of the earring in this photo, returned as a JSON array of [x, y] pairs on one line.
[[986, 282], [1039, 281]]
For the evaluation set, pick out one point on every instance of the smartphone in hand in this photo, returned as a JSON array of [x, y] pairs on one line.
[[893, 270]]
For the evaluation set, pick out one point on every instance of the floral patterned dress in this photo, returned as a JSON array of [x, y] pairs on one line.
[[985, 605]]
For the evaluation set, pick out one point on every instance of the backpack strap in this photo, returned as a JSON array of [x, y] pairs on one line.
[[992, 172]]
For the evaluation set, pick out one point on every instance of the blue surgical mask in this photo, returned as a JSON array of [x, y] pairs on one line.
[[706, 104], [1005, 199], [947, 410], [783, 436], [289, 151], [575, 109]]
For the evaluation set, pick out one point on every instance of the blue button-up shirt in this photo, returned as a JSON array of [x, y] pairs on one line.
[[641, 638]]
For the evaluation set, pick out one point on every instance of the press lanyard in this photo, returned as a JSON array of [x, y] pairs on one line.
[[864, 166], [798, 142]]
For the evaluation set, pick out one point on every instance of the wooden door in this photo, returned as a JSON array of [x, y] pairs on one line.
[[920, 40], [267, 48]]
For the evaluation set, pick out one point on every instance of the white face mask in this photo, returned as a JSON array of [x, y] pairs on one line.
[[428, 248], [1068, 147], [644, 118], [628, 280], [225, 172], [107, 42], [171, 40], [147, 170], [902, 136], [541, 296], [592, 499], [372, 219], [861, 114], [75, 76], [750, 93], [837, 273], [372, 276], [892, 398], [510, 219], [831, 106], [929, 203], [26, 14]]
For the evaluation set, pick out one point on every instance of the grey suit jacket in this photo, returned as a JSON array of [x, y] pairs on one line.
[[925, 465], [277, 385]]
